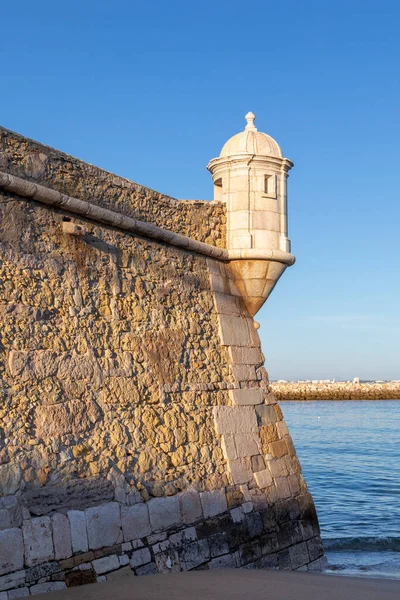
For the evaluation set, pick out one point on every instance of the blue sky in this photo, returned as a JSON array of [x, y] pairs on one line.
[[151, 91]]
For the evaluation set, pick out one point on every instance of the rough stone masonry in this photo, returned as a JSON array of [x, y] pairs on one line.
[[137, 428]]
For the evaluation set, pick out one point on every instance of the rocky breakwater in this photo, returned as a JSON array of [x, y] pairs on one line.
[[338, 390]]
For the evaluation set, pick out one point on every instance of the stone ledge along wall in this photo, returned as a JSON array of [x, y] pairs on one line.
[[137, 429]]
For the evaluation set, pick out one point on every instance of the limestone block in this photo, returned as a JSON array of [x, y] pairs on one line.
[[315, 548], [278, 449], [195, 554], [237, 514], [235, 419], [240, 470], [234, 330], [140, 557], [43, 570], [77, 521], [263, 478], [103, 525], [247, 507], [177, 540], [294, 484], [38, 542], [244, 373], [135, 521], [257, 463], [50, 586], [123, 560], [12, 506], [164, 513], [254, 524], [299, 555], [71, 495], [11, 580], [318, 565], [227, 304], [3, 596], [278, 467], [5, 519], [161, 546], [266, 414], [269, 543], [228, 446], [213, 502], [243, 397], [61, 536], [247, 444], [282, 488], [18, 593], [105, 564], [245, 356], [149, 569], [168, 562], [222, 562], [10, 477], [190, 506], [282, 429], [262, 219]]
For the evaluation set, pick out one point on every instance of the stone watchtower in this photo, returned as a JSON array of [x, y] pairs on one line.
[[250, 176], [138, 432]]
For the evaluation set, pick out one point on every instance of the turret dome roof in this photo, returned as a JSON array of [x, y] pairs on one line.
[[251, 141]]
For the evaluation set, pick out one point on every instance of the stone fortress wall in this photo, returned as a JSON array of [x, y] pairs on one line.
[[137, 428]]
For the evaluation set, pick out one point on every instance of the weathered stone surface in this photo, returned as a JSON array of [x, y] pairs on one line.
[[10, 477], [318, 565], [12, 579], [77, 521], [245, 356], [61, 536], [149, 569], [213, 503], [50, 586], [5, 519], [235, 419], [190, 506], [164, 513], [18, 593], [73, 417], [241, 471], [247, 444], [41, 571], [11, 550], [140, 557], [183, 537], [195, 554], [135, 521], [75, 578], [263, 478], [103, 524], [246, 397], [38, 541], [222, 562], [105, 564], [75, 494], [299, 555]]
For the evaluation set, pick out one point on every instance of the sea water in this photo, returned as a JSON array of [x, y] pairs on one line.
[[350, 455]]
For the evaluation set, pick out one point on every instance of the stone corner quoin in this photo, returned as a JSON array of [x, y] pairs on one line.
[[138, 431]]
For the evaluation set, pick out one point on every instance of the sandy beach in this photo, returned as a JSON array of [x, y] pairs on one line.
[[235, 585]]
